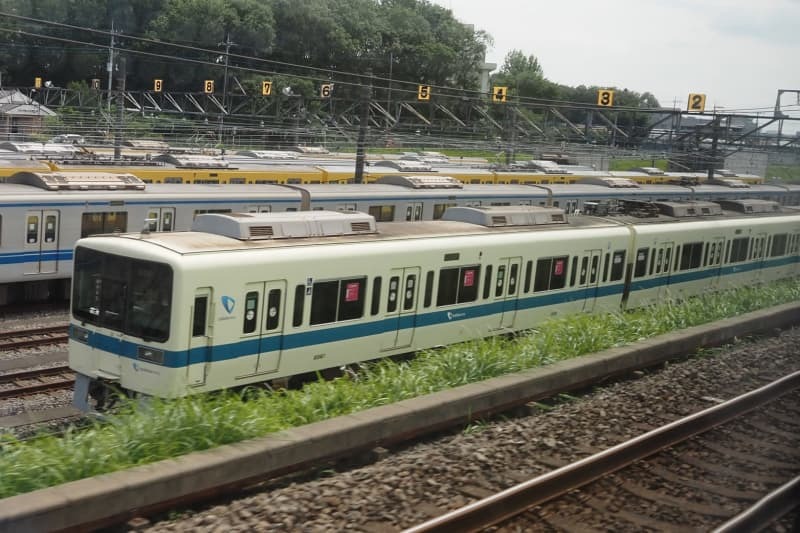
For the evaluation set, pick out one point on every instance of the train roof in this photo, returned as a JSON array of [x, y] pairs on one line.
[[230, 232]]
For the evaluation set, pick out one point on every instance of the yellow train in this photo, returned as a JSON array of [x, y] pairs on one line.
[[242, 170]]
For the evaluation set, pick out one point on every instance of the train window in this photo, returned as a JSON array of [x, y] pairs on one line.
[[458, 285], [299, 303], [584, 270], [410, 290], [173, 179], [428, 288], [500, 281], [593, 272], [574, 272], [512, 279], [204, 211], [324, 296], [667, 256], [332, 301], [409, 210], [351, 298], [641, 262], [250, 312], [659, 260], [111, 222], [152, 220], [273, 309], [652, 264], [551, 273], [439, 209], [677, 258], [487, 282], [706, 254], [738, 250], [50, 228], [129, 296], [394, 284], [618, 265], [376, 295], [382, 213], [447, 293], [605, 267], [418, 212], [167, 220], [528, 268], [691, 255], [32, 229], [199, 318]]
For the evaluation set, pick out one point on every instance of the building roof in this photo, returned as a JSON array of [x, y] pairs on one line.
[[17, 104]]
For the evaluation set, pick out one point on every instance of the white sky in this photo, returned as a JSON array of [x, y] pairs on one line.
[[737, 52]]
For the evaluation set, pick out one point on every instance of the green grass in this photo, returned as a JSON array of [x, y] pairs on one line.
[[140, 435], [784, 173]]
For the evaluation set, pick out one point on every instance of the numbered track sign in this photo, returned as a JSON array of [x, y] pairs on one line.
[[266, 88], [325, 90], [158, 85], [499, 94], [605, 98], [697, 103], [424, 92], [208, 86]]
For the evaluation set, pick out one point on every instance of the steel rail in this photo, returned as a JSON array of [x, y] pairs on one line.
[[515, 500]]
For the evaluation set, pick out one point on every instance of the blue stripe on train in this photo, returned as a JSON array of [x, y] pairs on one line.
[[14, 258]]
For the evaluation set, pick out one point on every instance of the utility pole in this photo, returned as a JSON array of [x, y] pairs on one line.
[[121, 117], [110, 67], [714, 139], [227, 45], [366, 94]]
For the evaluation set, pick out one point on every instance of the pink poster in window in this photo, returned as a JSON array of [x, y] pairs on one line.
[[469, 278], [351, 292], [559, 267]]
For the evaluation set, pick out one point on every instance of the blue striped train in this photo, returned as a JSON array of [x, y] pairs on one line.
[[42, 214], [250, 298]]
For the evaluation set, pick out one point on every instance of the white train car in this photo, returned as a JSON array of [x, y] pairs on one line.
[[248, 298], [42, 214]]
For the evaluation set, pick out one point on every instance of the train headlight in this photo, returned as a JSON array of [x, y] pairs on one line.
[[150, 355]]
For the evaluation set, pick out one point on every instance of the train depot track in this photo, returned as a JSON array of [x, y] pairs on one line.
[[25, 382], [15, 340], [680, 473]]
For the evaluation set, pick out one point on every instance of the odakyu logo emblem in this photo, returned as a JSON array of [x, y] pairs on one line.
[[228, 303]]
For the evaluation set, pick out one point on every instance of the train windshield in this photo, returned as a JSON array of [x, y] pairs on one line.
[[127, 295]]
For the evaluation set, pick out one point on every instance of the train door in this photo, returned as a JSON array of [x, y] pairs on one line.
[[269, 356], [200, 336], [41, 241], [759, 252], [401, 307], [413, 211], [506, 290], [161, 219], [263, 322], [589, 276], [714, 263], [662, 267]]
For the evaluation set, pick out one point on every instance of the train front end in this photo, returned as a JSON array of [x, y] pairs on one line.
[[121, 327]]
